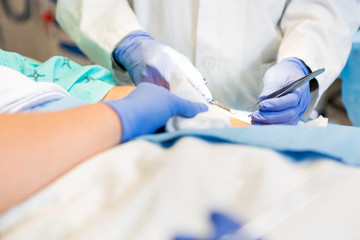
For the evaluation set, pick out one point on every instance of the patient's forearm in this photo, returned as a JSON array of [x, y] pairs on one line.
[[36, 148]]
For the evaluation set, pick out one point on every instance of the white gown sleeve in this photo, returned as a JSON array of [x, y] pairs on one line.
[[97, 26], [320, 33]]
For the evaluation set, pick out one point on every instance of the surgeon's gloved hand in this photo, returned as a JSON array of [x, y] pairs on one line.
[[289, 108], [148, 60], [149, 107]]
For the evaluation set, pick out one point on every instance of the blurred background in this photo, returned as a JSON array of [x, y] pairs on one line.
[[28, 27]]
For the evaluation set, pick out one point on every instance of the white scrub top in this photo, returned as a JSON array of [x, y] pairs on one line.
[[232, 43], [20, 93]]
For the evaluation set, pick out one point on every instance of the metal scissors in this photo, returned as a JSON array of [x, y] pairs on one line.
[[289, 87]]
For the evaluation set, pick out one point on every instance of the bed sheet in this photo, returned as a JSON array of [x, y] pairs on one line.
[[140, 190], [340, 143]]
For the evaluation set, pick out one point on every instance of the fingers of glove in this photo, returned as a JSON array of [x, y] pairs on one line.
[[223, 224], [289, 116], [222, 227], [158, 100], [278, 104], [280, 74], [187, 108], [268, 88], [273, 80], [149, 107]]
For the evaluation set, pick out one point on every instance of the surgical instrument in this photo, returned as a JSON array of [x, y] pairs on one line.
[[289, 87], [216, 103]]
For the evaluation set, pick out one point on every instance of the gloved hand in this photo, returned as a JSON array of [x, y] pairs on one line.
[[289, 108], [148, 108], [224, 227], [148, 60]]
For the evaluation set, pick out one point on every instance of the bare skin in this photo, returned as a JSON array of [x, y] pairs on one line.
[[118, 92], [35, 151]]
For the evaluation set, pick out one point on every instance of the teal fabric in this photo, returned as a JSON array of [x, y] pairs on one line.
[[89, 83], [351, 83], [337, 142]]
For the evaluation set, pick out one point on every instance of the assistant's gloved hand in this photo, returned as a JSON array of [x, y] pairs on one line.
[[289, 108], [148, 60], [148, 108]]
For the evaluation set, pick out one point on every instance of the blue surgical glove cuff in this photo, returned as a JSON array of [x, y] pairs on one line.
[[122, 53], [125, 114]]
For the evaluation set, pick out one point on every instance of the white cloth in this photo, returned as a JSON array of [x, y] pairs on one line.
[[231, 43], [19, 93], [139, 190], [213, 118]]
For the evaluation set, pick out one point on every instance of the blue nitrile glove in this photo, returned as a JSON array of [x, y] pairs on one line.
[[148, 108], [148, 60], [289, 108], [224, 227]]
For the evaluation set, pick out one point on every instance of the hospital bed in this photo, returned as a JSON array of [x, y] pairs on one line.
[[305, 185]]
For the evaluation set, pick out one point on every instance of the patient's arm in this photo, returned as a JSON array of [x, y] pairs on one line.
[[36, 148]]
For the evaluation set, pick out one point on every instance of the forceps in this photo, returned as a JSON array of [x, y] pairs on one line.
[[216, 103], [289, 87]]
